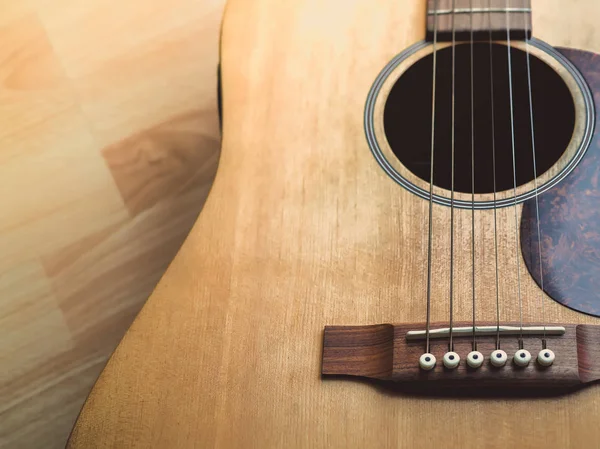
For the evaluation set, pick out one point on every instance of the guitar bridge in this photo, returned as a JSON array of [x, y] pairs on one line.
[[392, 352]]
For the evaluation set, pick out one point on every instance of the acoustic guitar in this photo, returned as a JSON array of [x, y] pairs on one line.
[[402, 244]]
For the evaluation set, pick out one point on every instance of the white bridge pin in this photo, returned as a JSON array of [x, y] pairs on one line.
[[451, 360], [522, 357], [545, 357], [427, 362], [498, 358], [475, 359]]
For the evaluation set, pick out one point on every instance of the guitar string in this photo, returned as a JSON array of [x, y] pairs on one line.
[[429, 245], [451, 342], [514, 164], [473, 177], [494, 176], [535, 184]]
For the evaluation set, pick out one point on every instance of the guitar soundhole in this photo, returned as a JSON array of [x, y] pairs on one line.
[[408, 112]]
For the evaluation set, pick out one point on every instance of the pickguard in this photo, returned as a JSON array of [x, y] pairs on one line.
[[570, 219]]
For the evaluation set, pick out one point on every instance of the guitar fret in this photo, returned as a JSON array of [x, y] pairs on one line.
[[479, 16]]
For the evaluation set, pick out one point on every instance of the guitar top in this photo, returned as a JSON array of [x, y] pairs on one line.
[[401, 245]]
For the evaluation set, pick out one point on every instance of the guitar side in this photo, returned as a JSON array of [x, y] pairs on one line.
[[302, 229]]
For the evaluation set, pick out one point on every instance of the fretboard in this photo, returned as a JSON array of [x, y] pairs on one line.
[[480, 16]]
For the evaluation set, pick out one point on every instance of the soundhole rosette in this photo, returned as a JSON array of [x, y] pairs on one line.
[[389, 161]]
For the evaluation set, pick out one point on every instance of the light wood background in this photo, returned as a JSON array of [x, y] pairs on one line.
[[303, 229], [109, 141]]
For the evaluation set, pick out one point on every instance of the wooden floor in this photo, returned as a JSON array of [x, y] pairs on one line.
[[109, 141]]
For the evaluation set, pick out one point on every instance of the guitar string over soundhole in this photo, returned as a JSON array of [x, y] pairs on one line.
[[399, 135], [407, 118]]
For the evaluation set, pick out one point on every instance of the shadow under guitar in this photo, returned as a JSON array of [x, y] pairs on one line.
[[461, 391]]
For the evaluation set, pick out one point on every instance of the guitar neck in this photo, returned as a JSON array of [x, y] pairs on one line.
[[478, 18]]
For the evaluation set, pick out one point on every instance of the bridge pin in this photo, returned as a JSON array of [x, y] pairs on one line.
[[475, 359], [451, 360], [427, 362], [546, 357], [498, 358], [522, 357]]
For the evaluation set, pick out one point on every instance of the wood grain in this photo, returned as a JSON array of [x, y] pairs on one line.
[[364, 351], [481, 23], [569, 236], [303, 229], [109, 144], [587, 352], [383, 352]]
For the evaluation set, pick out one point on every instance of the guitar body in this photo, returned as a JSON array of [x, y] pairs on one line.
[[302, 230]]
